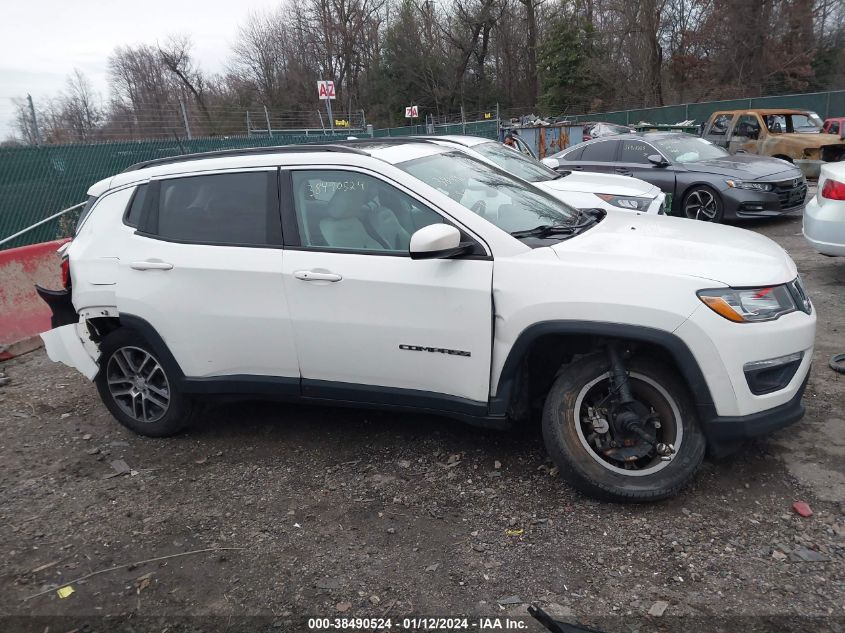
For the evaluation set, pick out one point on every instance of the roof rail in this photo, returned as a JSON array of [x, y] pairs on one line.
[[433, 138], [386, 140], [249, 151]]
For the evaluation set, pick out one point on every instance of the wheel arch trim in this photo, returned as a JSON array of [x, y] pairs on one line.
[[151, 336], [672, 344]]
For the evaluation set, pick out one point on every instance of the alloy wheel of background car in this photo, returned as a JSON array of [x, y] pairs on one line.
[[704, 204], [138, 384], [630, 470]]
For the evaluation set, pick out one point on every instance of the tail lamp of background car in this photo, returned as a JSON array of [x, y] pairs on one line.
[[630, 203], [833, 190]]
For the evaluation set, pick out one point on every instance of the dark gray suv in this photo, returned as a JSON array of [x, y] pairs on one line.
[[705, 181]]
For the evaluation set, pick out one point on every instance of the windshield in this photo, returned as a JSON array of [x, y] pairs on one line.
[[801, 123], [509, 203], [688, 149], [515, 163]]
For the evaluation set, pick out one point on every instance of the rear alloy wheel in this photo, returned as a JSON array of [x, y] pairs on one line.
[[606, 461], [703, 203], [136, 388]]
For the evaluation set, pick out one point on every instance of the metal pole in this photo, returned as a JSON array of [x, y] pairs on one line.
[[248, 128], [40, 222], [322, 125], [267, 118], [329, 112], [463, 121], [185, 119], [498, 121], [35, 132]]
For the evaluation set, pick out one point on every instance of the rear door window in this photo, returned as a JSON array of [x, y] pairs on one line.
[[636, 152], [239, 209], [575, 154], [600, 152]]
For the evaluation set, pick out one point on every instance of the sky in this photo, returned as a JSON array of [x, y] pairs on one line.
[[42, 41]]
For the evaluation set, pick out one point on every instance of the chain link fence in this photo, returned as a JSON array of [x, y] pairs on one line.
[[37, 182]]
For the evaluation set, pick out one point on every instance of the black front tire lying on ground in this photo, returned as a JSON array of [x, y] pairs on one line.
[[567, 431], [137, 388]]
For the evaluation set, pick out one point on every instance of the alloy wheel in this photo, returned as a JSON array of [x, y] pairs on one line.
[[701, 205], [138, 384]]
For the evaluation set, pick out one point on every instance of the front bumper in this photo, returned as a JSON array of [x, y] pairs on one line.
[[725, 433], [743, 203]]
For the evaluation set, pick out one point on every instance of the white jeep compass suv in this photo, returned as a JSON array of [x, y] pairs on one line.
[[352, 273]]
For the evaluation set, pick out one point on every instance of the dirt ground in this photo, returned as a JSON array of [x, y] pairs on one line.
[[338, 513]]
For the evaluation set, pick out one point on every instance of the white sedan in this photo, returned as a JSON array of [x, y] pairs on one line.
[[824, 216], [582, 190]]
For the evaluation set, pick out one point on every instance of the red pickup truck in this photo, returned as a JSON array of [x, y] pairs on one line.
[[835, 125]]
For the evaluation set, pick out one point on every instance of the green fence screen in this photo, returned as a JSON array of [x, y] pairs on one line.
[[37, 182]]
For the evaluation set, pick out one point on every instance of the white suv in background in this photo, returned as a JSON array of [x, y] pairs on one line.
[[355, 274], [582, 190]]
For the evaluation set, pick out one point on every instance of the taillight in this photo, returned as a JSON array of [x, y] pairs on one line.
[[833, 190], [65, 273]]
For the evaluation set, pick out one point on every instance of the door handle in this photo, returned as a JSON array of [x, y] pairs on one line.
[[150, 265], [313, 275]]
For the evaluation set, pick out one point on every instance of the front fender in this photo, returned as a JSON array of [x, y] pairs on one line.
[[672, 344]]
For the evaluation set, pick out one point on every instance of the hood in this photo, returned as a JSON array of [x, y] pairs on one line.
[[678, 246], [747, 167], [587, 182]]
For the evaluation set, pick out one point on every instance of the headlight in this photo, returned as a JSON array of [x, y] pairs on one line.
[[751, 185], [630, 203], [747, 305]]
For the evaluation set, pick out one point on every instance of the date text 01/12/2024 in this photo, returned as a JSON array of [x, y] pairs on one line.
[[418, 624]]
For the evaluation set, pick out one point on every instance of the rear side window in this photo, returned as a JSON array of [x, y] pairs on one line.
[[226, 209], [133, 213], [600, 152], [575, 154], [83, 215]]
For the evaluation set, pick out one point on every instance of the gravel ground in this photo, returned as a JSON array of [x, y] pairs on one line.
[[340, 513]]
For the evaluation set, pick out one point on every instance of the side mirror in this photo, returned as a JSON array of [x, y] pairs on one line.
[[657, 160], [437, 241], [551, 163]]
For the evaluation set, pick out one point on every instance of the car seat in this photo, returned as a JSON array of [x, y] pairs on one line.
[[343, 227]]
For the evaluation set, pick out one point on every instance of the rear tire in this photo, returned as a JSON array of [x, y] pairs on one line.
[[137, 389], [591, 472]]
